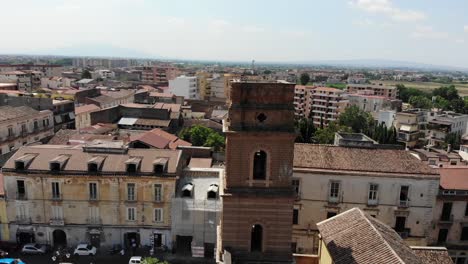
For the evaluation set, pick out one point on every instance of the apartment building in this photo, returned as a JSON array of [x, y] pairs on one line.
[[373, 103], [23, 125], [204, 84], [83, 115], [221, 85], [375, 89], [444, 123], [325, 104], [158, 74], [389, 184], [56, 82], [410, 126], [64, 114], [101, 193], [300, 101], [186, 86], [450, 228], [21, 79]]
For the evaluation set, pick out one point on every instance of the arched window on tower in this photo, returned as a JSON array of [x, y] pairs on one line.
[[259, 166]]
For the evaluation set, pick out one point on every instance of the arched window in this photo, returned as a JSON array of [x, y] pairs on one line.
[[256, 239], [259, 166]]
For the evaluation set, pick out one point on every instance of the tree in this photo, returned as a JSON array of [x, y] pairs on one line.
[[326, 135], [305, 128], [203, 136], [447, 92], [86, 75], [150, 260], [358, 120], [458, 105], [454, 139], [305, 78], [441, 103], [419, 101], [405, 93]]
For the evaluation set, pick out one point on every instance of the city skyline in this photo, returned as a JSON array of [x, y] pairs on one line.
[[435, 33]]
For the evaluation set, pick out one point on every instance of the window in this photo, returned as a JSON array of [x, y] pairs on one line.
[[453, 162], [373, 193], [464, 234], [294, 247], [404, 191], [334, 191], [295, 216], [259, 169], [442, 237], [296, 185], [20, 189], [23, 128], [131, 214], [400, 223], [10, 132], [57, 212], [54, 166], [158, 215], [432, 162], [466, 209], [92, 167], [55, 190], [212, 191], [158, 192], [131, 168], [131, 192], [158, 169], [92, 191], [330, 214], [446, 212], [36, 125], [187, 190]]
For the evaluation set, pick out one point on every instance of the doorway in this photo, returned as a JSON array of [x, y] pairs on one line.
[[157, 240], [184, 245], [95, 239], [256, 238], [59, 238], [25, 238]]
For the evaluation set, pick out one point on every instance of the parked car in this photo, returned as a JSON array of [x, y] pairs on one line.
[[33, 249], [84, 250], [11, 261], [135, 260]]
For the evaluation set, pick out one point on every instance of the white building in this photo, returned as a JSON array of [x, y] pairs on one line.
[[103, 74], [386, 117], [444, 123], [184, 86], [56, 82], [389, 184]]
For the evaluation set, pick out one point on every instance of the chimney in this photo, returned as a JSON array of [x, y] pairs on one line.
[[449, 148]]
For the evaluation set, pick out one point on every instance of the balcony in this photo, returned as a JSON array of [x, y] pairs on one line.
[[403, 203], [57, 222], [371, 202], [446, 219], [333, 200], [21, 196], [25, 220], [57, 197], [94, 221]]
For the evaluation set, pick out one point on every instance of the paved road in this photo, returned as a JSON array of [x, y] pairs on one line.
[[108, 259]]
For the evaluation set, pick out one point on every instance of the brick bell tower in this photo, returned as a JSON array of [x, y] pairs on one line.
[[256, 224]]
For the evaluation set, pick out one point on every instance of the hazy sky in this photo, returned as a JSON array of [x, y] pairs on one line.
[[427, 31]]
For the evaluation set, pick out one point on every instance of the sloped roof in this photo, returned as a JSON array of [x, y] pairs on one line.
[[329, 157], [153, 140], [86, 108], [77, 161], [10, 112], [433, 255], [356, 237], [455, 178]]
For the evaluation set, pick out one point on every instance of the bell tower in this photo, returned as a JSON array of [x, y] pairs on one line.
[[256, 225]]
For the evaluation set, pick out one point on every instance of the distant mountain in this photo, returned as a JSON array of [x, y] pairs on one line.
[[96, 51], [381, 63]]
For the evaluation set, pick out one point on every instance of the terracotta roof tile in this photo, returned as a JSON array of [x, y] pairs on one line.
[[330, 157], [356, 237], [433, 255], [86, 108], [454, 178]]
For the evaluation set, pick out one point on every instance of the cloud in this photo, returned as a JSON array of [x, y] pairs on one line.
[[387, 8], [465, 28], [426, 32], [460, 41]]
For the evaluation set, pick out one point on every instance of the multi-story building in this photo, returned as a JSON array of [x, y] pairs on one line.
[[410, 126], [64, 114], [258, 198], [23, 125], [325, 104], [389, 184], [158, 74], [22, 79], [375, 89], [373, 103], [220, 86], [196, 209], [186, 86], [100, 193], [300, 101], [450, 223], [442, 124], [83, 115], [56, 82], [204, 84]]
